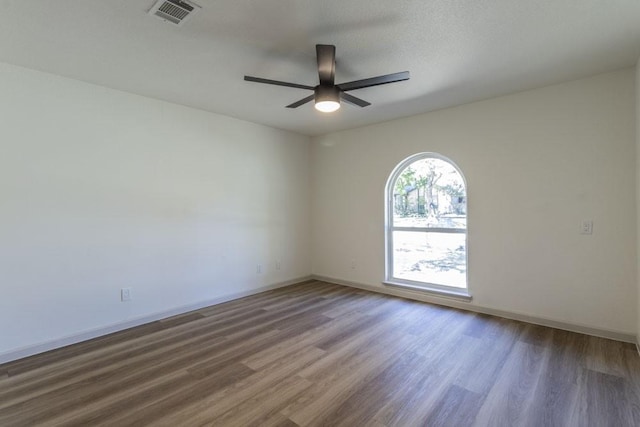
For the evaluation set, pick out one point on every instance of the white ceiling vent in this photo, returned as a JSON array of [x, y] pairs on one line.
[[174, 11]]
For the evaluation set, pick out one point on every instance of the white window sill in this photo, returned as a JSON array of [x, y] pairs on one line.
[[461, 294]]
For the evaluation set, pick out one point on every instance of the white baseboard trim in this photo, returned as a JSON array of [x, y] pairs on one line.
[[450, 302], [115, 327]]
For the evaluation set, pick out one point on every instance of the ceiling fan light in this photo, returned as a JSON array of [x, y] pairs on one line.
[[327, 106], [327, 98]]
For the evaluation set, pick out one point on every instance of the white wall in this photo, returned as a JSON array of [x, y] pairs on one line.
[[536, 163], [102, 189]]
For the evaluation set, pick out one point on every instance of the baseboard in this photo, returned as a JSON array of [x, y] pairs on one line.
[[450, 302], [115, 327], [97, 332]]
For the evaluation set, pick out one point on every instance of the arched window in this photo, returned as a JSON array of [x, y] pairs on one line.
[[426, 226]]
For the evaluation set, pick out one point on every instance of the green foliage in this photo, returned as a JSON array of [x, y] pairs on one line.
[[424, 181], [405, 181], [454, 190]]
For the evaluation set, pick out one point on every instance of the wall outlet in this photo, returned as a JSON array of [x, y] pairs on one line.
[[586, 227], [125, 294], [353, 264], [258, 269], [278, 265]]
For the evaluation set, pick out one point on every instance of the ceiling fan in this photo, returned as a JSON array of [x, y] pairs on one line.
[[327, 94]]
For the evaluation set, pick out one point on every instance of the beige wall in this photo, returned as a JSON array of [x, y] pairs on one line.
[[537, 163], [638, 187], [102, 189]]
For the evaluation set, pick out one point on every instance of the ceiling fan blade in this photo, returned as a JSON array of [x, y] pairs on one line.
[[374, 81], [301, 102], [276, 82], [353, 100], [326, 54]]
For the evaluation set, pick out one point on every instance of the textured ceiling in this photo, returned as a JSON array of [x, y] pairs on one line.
[[457, 51]]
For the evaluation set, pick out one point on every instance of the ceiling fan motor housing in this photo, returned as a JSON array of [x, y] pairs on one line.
[[327, 93]]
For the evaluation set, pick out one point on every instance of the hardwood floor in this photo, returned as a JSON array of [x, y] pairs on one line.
[[323, 354]]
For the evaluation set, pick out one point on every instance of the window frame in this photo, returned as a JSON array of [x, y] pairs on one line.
[[389, 228]]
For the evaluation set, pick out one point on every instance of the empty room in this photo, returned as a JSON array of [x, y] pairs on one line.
[[320, 213]]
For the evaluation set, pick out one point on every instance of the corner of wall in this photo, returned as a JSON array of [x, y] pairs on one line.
[[637, 117]]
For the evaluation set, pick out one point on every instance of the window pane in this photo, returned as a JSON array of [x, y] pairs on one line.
[[437, 258], [429, 193]]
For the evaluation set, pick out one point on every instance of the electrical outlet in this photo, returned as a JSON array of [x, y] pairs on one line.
[[258, 269], [278, 265], [586, 227], [353, 264], [125, 294]]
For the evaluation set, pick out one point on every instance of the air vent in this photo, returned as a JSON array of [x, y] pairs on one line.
[[174, 11]]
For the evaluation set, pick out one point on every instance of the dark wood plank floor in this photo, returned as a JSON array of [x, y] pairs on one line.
[[322, 354]]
